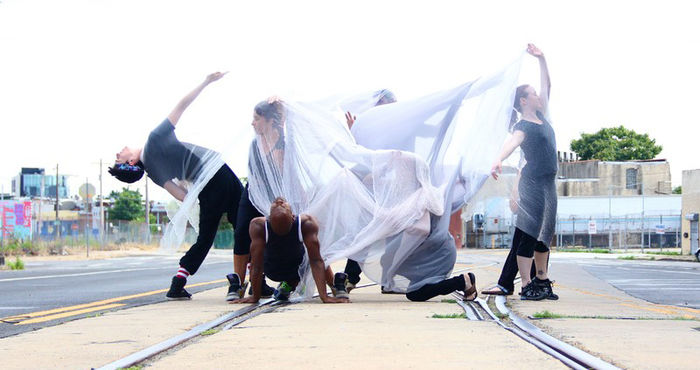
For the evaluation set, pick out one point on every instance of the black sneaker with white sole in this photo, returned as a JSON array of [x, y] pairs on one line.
[[339, 281], [177, 290], [532, 292], [235, 289], [546, 286]]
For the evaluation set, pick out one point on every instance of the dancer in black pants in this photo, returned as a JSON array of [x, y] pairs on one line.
[[171, 164]]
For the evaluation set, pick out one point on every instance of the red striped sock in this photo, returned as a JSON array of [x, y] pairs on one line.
[[182, 273]]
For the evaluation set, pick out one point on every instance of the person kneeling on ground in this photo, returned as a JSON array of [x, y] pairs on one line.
[[277, 250]]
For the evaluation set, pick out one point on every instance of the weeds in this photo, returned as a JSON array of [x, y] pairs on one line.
[[626, 258], [546, 315], [210, 332], [583, 250], [450, 316], [448, 301], [17, 265]]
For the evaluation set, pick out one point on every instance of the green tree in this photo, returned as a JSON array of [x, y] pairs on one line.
[[127, 205], [615, 144], [678, 190]]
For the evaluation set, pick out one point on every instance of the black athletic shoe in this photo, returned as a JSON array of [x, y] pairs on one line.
[[177, 290], [282, 292], [546, 286], [267, 291], [532, 292], [339, 281], [235, 289]]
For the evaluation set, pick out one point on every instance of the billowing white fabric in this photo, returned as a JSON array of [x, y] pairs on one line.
[[208, 162], [386, 202]]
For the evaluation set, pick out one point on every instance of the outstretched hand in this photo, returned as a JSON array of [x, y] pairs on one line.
[[248, 299], [350, 119], [496, 169], [534, 51], [329, 299], [215, 76]]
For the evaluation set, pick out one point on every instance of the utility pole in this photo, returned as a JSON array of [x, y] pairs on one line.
[[148, 211], [102, 212], [57, 223], [87, 219]]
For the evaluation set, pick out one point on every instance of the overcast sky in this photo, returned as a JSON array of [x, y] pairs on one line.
[[81, 79]]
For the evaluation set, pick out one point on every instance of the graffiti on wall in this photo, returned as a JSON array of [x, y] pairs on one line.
[[16, 219]]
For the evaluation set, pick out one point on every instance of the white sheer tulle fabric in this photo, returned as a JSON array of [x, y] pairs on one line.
[[197, 168], [383, 193]]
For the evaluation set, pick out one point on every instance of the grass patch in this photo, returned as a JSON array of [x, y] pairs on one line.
[[665, 253], [550, 315], [448, 301], [137, 367], [547, 315], [210, 331], [449, 316], [584, 250], [501, 316], [626, 258], [17, 265]]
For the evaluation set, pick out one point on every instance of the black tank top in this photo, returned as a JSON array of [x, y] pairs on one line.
[[283, 253]]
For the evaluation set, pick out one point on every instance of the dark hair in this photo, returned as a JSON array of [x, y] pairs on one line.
[[127, 173], [520, 92], [385, 97], [271, 111]]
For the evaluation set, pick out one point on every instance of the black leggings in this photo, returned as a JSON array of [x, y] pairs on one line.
[[246, 213], [352, 268], [510, 267], [221, 195], [446, 286], [528, 244]]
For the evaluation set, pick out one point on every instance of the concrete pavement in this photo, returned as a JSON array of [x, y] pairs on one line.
[[377, 331]]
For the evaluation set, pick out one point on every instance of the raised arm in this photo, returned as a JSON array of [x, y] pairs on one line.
[[257, 249], [174, 116], [545, 83], [309, 231], [508, 147]]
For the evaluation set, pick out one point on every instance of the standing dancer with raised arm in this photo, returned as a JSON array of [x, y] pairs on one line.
[[537, 204]]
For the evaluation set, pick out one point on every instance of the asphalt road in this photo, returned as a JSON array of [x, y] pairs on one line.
[[75, 289], [671, 283]]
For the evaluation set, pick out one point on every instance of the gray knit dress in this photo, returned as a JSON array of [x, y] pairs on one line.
[[537, 203]]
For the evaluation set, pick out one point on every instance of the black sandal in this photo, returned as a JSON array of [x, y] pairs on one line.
[[472, 290]]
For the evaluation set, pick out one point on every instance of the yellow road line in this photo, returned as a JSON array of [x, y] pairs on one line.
[[68, 314], [660, 308], [97, 303]]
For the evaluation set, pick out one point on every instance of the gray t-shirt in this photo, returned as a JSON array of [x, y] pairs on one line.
[[166, 158], [539, 148]]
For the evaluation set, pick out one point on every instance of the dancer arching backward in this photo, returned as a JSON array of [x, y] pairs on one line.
[[277, 249], [537, 204], [187, 172]]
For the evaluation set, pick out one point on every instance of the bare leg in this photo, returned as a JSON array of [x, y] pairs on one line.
[[240, 262], [541, 259], [524, 266]]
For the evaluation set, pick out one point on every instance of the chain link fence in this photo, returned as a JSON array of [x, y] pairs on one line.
[[618, 233]]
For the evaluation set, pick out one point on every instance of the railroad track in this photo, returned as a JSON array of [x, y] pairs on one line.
[[477, 310]]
